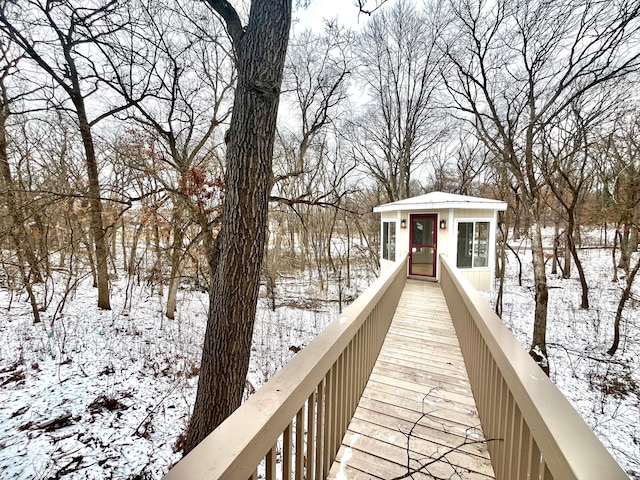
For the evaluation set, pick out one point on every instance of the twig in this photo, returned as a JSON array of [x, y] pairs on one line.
[[54, 423], [152, 411], [431, 460]]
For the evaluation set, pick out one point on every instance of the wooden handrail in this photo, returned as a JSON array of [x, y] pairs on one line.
[[539, 434], [296, 421]]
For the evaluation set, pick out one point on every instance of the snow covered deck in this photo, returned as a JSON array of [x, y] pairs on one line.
[[417, 414]]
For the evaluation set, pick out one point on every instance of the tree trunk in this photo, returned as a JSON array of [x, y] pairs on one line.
[[123, 245], [95, 206], [61, 240], [346, 224], [556, 241], [28, 286], [112, 244], [90, 255], [260, 50], [538, 348], [571, 246], [158, 251], [17, 229], [626, 294], [42, 240], [566, 270], [176, 269], [518, 217], [292, 238], [501, 260], [584, 302], [133, 253], [624, 248], [172, 296], [614, 279]]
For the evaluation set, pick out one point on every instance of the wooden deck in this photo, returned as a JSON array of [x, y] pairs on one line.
[[417, 417]]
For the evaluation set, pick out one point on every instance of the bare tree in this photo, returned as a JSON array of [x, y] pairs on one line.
[[472, 162], [620, 169], [182, 99], [459, 165], [28, 264], [399, 66], [306, 176], [57, 37], [567, 163], [515, 68], [259, 49], [626, 295], [316, 78]]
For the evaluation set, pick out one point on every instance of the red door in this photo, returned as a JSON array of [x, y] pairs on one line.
[[423, 240]]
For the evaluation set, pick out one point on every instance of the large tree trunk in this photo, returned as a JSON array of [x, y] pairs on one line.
[[95, 205], [260, 50]]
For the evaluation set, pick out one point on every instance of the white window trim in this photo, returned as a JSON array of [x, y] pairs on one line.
[[397, 233], [490, 241]]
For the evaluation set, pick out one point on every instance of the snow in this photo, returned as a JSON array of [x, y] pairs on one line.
[[123, 376], [123, 381], [604, 390], [126, 378]]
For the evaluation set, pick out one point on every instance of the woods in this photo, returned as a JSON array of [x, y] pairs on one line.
[[223, 147]]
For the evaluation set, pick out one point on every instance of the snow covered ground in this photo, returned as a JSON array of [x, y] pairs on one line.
[[604, 390], [107, 394]]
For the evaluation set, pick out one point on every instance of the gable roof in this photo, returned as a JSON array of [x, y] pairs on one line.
[[440, 200]]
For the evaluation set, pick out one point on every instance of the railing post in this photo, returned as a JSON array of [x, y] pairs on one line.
[[320, 432]]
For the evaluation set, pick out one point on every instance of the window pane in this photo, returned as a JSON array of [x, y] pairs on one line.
[[389, 241], [465, 244], [417, 234], [422, 231], [392, 241], [481, 245], [385, 240]]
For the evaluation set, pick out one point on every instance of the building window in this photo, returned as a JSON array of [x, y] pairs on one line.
[[389, 241], [473, 245]]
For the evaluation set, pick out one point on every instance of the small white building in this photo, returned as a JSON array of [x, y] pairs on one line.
[[461, 227]]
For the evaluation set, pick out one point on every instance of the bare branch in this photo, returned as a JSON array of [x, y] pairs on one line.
[[231, 19]]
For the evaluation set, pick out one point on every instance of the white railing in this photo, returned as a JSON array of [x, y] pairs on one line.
[[539, 434], [293, 426]]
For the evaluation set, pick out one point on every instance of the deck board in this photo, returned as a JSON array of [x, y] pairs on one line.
[[419, 385]]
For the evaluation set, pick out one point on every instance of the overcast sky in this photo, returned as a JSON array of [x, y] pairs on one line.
[[344, 10]]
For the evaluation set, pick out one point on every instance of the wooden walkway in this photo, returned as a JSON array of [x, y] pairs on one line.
[[417, 417]]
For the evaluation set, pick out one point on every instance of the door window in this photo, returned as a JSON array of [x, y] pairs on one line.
[[423, 245]]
